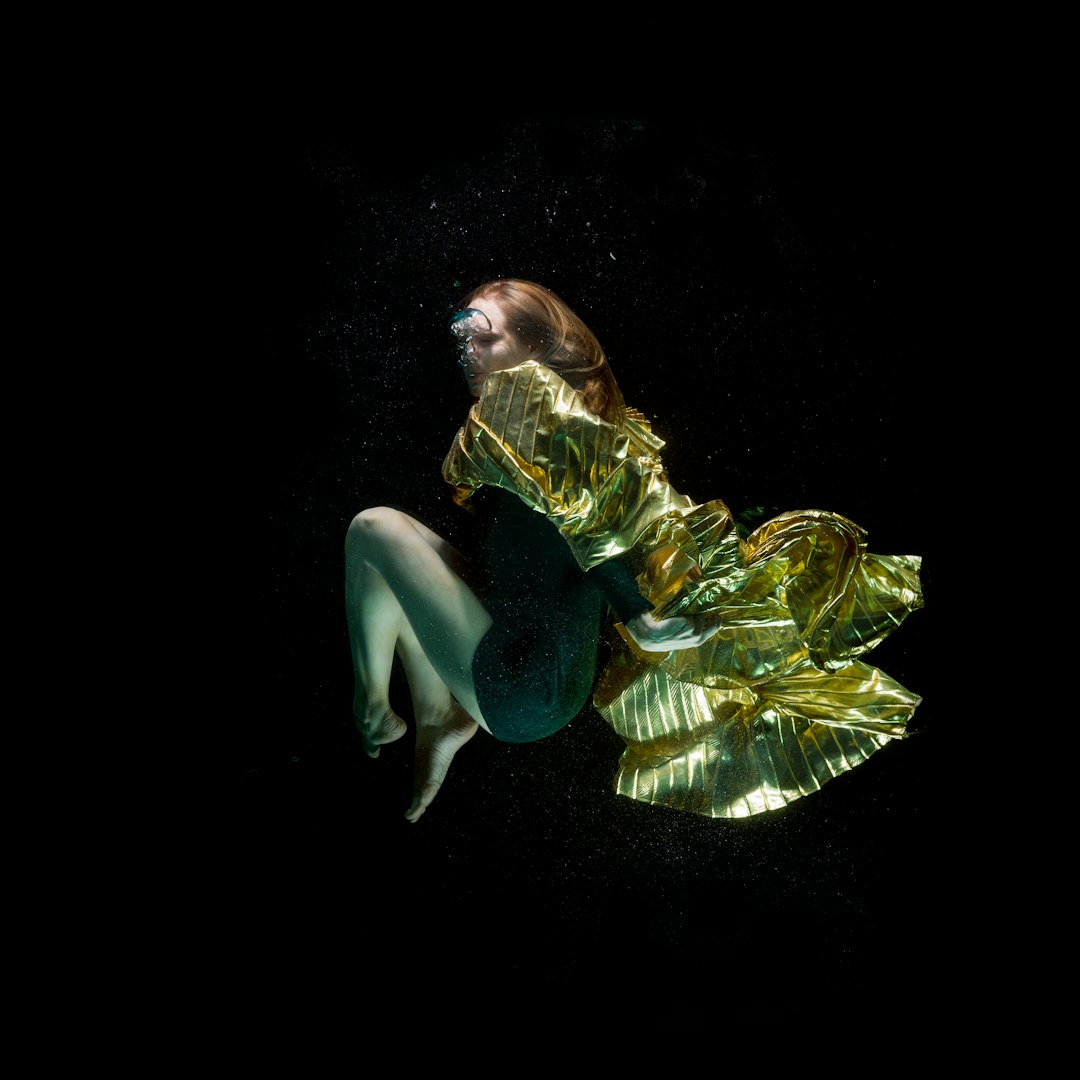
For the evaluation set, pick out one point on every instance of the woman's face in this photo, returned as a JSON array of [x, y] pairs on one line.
[[487, 349]]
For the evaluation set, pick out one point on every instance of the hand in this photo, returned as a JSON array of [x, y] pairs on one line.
[[663, 635]]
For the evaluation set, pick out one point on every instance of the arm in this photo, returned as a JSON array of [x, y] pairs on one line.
[[618, 584], [600, 484]]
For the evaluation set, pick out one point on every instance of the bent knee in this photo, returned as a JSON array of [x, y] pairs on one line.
[[374, 523], [375, 516]]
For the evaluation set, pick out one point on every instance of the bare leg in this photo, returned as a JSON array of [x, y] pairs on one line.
[[403, 594], [375, 621], [442, 725]]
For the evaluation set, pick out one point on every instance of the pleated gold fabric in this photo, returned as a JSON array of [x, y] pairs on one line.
[[531, 433], [777, 702]]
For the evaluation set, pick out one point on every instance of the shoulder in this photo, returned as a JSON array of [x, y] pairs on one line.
[[528, 375], [528, 388]]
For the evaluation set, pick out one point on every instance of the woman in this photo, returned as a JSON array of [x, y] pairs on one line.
[[734, 679]]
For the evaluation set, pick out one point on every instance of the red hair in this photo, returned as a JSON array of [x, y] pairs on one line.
[[560, 339]]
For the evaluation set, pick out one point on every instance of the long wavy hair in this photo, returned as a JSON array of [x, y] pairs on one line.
[[560, 340]]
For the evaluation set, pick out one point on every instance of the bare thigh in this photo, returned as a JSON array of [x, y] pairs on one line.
[[427, 575]]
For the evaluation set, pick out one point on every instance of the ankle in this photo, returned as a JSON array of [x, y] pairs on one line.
[[371, 713]]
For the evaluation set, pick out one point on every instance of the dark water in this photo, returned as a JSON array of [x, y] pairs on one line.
[[769, 304]]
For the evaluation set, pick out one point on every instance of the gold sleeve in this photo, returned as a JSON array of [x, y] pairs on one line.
[[778, 701], [601, 484]]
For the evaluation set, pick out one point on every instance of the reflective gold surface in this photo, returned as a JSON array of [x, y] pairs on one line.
[[775, 704], [531, 433]]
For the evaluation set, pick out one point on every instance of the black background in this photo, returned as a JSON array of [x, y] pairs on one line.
[[770, 303]]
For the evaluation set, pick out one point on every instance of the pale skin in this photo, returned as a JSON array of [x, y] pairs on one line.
[[406, 595]]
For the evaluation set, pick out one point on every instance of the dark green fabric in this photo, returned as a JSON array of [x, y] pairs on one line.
[[618, 583], [534, 669]]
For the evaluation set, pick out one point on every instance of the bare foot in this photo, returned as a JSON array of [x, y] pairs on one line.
[[437, 741], [378, 731]]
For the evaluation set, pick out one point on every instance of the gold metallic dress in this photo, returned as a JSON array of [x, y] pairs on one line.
[[777, 702]]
